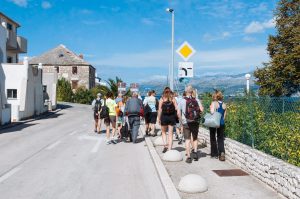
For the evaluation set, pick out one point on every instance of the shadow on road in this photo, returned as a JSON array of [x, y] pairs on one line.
[[64, 106], [16, 127]]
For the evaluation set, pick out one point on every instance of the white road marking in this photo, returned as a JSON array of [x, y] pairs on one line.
[[97, 145], [53, 145], [73, 133], [9, 174]]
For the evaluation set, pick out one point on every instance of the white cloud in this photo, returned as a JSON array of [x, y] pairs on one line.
[[260, 8], [269, 24], [85, 11], [249, 39], [257, 27], [21, 3], [46, 5], [147, 21], [219, 36], [93, 22], [236, 58]]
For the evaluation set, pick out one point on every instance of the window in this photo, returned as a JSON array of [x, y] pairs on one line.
[[9, 26], [44, 88], [12, 93], [75, 84], [74, 70], [9, 60]]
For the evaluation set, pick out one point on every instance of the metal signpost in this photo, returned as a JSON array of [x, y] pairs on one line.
[[185, 69]]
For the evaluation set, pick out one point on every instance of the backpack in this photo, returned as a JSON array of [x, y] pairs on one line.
[[97, 105], [124, 131], [192, 111], [104, 111], [168, 108]]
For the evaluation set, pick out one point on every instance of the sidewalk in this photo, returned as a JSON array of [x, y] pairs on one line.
[[234, 187]]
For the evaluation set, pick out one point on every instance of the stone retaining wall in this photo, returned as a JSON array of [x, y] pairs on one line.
[[281, 176]]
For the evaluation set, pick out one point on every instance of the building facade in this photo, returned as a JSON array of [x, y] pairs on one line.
[[67, 65], [24, 90], [15, 44]]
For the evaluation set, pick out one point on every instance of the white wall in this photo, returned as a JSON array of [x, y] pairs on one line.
[[50, 80], [29, 100]]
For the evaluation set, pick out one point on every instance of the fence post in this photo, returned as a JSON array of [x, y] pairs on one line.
[[251, 121]]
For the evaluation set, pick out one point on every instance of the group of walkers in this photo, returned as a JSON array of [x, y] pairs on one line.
[[180, 115]]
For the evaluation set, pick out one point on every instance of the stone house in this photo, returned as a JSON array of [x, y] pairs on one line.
[[67, 65]]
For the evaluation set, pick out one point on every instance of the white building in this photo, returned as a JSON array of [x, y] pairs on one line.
[[4, 107], [24, 90], [15, 44]]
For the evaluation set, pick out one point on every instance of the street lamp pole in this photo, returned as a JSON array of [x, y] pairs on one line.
[[171, 73]]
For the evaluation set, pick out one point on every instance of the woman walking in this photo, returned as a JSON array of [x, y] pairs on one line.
[[167, 117], [217, 146]]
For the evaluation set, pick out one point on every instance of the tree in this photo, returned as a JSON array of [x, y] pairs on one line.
[[281, 76], [112, 87], [83, 96], [64, 91]]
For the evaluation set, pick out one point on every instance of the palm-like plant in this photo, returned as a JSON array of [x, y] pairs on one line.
[[112, 87]]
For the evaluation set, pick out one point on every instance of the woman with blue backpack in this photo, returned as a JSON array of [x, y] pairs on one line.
[[217, 146]]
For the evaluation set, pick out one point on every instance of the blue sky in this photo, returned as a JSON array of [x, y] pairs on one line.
[[132, 38]]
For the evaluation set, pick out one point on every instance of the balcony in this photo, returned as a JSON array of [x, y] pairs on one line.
[[22, 44], [11, 40]]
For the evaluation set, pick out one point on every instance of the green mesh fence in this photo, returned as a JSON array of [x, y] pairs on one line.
[[271, 125]]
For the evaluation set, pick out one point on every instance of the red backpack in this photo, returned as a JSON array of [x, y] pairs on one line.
[[192, 111]]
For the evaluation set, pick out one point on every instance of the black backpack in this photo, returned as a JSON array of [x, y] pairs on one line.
[[168, 108], [192, 111], [124, 131], [104, 111], [97, 105]]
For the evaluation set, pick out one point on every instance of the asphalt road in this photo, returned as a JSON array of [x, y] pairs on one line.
[[61, 158]]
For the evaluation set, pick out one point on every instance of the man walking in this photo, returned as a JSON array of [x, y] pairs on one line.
[[96, 105], [190, 117], [133, 109]]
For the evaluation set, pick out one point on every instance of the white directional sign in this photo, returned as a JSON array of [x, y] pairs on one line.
[[186, 51], [186, 69]]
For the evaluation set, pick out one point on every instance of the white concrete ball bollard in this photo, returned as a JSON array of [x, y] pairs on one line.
[[172, 156], [159, 141], [192, 183], [159, 132]]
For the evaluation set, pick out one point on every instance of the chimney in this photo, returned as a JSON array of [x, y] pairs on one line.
[[81, 56]]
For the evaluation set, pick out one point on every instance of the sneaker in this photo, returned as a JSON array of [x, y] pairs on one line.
[[188, 160], [222, 157], [108, 142], [95, 131], [180, 141], [195, 156], [165, 149], [114, 141], [177, 138]]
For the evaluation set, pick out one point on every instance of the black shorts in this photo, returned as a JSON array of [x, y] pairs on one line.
[[191, 129], [96, 116], [168, 120], [153, 117], [147, 117]]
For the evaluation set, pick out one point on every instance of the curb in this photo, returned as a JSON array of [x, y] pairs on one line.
[[169, 187], [11, 125]]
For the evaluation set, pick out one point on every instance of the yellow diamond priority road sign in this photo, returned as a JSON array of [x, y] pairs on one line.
[[186, 51]]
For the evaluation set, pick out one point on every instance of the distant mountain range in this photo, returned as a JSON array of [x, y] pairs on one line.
[[232, 84]]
